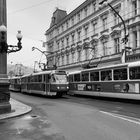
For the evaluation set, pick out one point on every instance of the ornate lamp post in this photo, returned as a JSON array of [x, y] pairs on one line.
[[4, 47], [4, 82], [125, 38]]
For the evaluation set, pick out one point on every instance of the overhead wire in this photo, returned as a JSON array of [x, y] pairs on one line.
[[29, 7]]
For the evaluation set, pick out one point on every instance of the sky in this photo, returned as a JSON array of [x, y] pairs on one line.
[[33, 18]]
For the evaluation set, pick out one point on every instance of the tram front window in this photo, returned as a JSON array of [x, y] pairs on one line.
[[59, 78]]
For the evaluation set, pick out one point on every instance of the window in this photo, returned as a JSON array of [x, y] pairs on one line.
[[76, 77], [58, 45], [117, 45], [134, 5], [94, 50], [94, 28], [134, 73], [62, 43], [94, 76], [94, 6], [62, 60], [71, 78], [120, 74], [46, 78], [67, 24], [85, 10], [72, 21], [67, 39], [67, 57], [105, 48], [79, 35], [58, 61], [79, 17], [62, 28], [39, 78], [116, 19], [86, 32], [72, 38], [104, 19], [106, 75], [85, 76], [79, 55], [58, 30], [73, 54], [135, 39], [86, 54]]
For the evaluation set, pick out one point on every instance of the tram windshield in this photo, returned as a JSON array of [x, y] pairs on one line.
[[59, 78]]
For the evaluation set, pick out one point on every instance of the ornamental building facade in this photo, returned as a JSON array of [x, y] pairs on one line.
[[92, 34]]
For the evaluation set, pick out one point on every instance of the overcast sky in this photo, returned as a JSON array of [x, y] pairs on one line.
[[33, 18]]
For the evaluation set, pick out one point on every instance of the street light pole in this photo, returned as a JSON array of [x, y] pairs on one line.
[[4, 82], [125, 39]]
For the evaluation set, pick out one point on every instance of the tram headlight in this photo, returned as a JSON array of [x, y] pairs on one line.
[[58, 87], [67, 87]]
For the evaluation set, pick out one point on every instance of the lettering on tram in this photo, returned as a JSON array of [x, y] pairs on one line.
[[118, 81]]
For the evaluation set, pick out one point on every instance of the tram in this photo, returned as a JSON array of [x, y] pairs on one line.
[[49, 83], [115, 81], [15, 84]]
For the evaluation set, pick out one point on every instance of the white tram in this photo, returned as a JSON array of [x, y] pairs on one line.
[[116, 81], [49, 83]]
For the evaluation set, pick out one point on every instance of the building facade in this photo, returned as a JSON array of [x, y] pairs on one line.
[[92, 34]]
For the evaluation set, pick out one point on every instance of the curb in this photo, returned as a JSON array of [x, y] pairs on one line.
[[17, 109]]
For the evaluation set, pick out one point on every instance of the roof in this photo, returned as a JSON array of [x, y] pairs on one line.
[[134, 64]]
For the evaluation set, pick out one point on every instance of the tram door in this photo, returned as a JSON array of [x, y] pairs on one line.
[[47, 80]]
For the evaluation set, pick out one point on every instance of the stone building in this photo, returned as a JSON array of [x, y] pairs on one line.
[[92, 34]]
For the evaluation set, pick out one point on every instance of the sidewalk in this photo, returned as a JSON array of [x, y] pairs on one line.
[[17, 109]]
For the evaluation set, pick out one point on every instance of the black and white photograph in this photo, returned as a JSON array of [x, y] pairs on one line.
[[69, 70]]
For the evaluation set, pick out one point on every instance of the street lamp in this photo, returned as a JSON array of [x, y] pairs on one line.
[[125, 39], [4, 47], [4, 82]]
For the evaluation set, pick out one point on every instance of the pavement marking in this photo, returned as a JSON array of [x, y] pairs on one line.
[[123, 117]]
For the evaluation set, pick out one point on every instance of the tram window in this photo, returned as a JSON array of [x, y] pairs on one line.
[[94, 76], [76, 77], [15, 81], [85, 76], [120, 74], [106, 75], [134, 73], [29, 79], [36, 78], [39, 78], [70, 78], [46, 78], [53, 78]]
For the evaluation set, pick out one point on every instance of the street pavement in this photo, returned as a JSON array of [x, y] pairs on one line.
[[21, 124]]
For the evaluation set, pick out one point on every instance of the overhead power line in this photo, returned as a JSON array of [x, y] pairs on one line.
[[29, 7]]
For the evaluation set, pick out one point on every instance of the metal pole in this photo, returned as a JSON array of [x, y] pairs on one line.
[[4, 82]]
